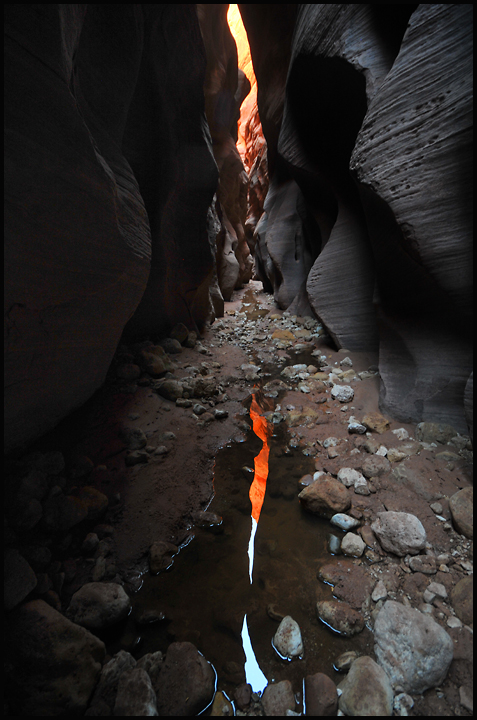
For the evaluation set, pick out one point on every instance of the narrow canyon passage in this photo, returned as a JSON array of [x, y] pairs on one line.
[[238, 360]]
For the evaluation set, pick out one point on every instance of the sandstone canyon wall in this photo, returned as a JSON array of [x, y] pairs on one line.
[[367, 221], [168, 143], [225, 89], [109, 177], [126, 198], [77, 236]]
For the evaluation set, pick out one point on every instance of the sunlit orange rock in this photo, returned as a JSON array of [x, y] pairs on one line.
[[251, 143], [225, 88]]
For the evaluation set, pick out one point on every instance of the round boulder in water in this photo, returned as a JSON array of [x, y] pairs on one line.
[[287, 640], [340, 617], [344, 522]]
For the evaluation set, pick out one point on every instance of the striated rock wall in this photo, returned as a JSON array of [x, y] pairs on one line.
[[269, 30], [168, 144], [109, 174], [225, 88], [77, 236], [371, 121], [339, 58], [412, 163], [258, 181], [251, 143]]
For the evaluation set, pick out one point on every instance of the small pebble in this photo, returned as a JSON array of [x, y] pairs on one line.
[[161, 450]]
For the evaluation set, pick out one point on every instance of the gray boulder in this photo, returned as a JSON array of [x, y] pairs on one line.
[[186, 682], [411, 647], [399, 533], [375, 465], [53, 664], [435, 432], [366, 690], [170, 390], [98, 605], [135, 696], [461, 505], [343, 393], [107, 687]]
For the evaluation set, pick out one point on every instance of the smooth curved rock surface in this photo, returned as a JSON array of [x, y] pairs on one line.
[[270, 38], [77, 237], [339, 58], [344, 267], [285, 240], [385, 92], [109, 174], [168, 143], [469, 405]]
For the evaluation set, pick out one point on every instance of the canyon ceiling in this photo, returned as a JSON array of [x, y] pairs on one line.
[[129, 208]]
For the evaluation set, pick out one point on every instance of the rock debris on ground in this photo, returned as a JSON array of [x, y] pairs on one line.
[[123, 482]]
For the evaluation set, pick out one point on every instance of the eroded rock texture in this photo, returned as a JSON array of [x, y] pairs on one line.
[[412, 161], [339, 59], [369, 135], [106, 149]]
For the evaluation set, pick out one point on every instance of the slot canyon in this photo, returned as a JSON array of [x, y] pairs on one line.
[[238, 360]]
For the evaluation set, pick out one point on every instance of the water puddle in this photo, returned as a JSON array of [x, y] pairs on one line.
[[251, 307], [225, 587]]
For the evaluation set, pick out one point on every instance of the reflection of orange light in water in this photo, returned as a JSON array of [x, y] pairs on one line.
[[248, 107], [257, 488]]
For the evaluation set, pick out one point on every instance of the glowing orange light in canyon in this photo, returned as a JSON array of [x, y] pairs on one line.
[[259, 484], [249, 105]]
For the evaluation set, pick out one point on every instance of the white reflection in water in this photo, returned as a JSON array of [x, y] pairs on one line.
[[253, 675], [251, 544]]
